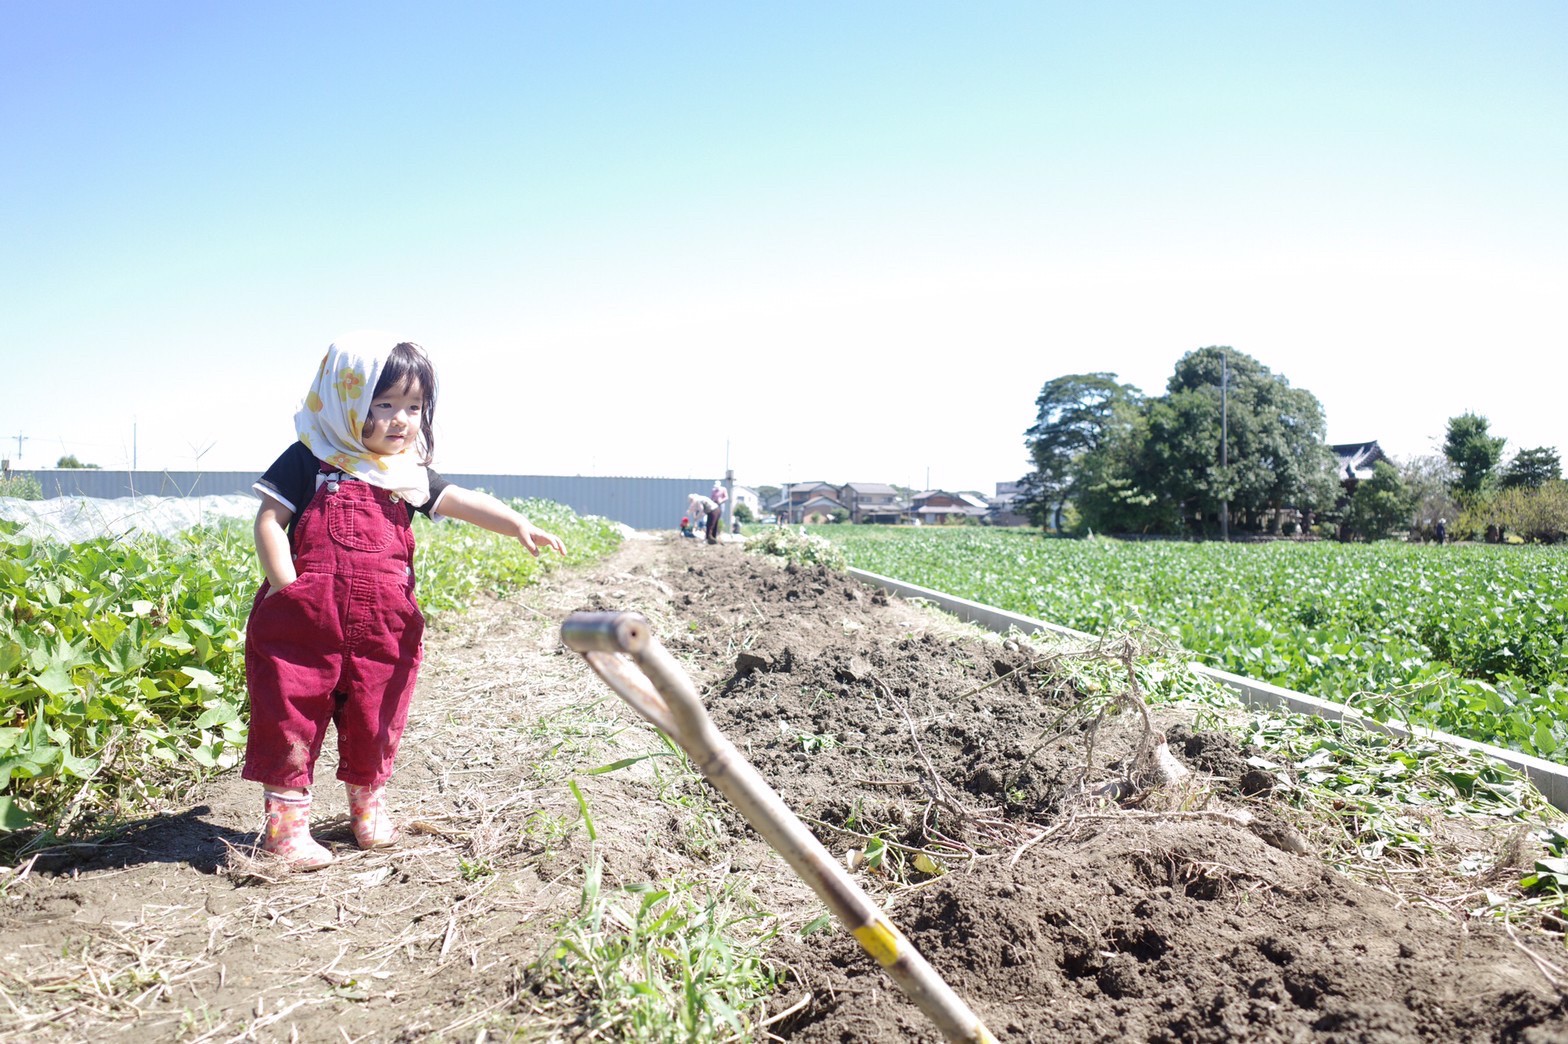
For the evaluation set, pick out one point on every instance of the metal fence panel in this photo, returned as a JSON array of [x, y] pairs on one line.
[[642, 503]]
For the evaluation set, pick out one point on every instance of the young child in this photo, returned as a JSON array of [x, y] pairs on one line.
[[334, 633], [686, 530]]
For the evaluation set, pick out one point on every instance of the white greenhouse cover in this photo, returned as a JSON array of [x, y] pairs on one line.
[[73, 519]]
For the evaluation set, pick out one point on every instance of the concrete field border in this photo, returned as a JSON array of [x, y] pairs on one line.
[[1548, 777]]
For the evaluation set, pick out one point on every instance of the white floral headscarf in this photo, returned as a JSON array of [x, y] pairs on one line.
[[332, 417]]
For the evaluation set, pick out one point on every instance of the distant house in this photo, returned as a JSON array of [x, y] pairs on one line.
[[819, 510], [937, 506], [872, 502], [748, 496], [1356, 460], [878, 502], [979, 503], [796, 495], [1001, 507]]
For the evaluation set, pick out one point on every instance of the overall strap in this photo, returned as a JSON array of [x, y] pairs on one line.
[[328, 475]]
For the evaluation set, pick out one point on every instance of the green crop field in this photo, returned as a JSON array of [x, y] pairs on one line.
[[122, 664], [1466, 639]]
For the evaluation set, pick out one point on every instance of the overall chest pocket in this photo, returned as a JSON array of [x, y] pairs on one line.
[[358, 520]]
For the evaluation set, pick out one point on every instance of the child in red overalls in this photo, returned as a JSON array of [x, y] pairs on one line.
[[334, 633]]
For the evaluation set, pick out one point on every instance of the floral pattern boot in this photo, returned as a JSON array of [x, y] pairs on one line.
[[367, 813], [287, 833]]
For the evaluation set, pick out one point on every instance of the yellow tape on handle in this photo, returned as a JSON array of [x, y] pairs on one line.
[[881, 940]]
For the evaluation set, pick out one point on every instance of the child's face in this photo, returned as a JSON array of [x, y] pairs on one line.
[[393, 424]]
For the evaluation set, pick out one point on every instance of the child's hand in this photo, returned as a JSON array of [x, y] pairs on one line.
[[533, 538], [471, 505]]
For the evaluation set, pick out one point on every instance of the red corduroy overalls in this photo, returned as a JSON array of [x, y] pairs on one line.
[[340, 644]]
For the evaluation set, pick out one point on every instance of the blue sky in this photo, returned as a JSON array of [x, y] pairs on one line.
[[845, 242]]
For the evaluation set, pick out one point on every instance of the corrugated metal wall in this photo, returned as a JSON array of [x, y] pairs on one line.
[[642, 503]]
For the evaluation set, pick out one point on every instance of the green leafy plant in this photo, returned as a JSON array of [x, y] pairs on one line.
[[810, 742], [672, 960], [21, 487], [797, 546], [120, 669], [473, 870], [122, 663], [1549, 879], [1469, 640]]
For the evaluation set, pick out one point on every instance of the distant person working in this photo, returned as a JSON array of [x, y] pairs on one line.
[[708, 509], [718, 494]]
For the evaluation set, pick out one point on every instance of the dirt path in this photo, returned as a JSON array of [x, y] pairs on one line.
[[869, 716]]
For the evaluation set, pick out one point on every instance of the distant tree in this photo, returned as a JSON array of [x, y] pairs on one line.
[[1538, 514], [1532, 468], [1474, 452], [1133, 464], [1179, 462], [1114, 492], [1274, 435], [70, 461], [1033, 501], [1430, 481], [743, 513], [767, 495], [1075, 414], [1381, 504]]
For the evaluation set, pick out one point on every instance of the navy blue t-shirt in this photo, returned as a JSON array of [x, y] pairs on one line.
[[291, 481]]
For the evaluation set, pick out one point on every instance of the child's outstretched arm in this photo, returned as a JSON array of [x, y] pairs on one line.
[[485, 511]]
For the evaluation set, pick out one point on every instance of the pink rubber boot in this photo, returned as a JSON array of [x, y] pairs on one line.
[[367, 813], [287, 834]]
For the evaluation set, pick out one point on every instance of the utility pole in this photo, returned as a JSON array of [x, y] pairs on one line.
[[1224, 452], [20, 438]]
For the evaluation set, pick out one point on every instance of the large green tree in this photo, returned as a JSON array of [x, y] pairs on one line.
[[1179, 461], [1133, 464], [1474, 451], [1275, 455], [1112, 492], [1075, 415], [1381, 504], [1532, 468]]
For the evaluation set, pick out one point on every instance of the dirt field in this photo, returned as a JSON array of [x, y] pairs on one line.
[[1067, 923]]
